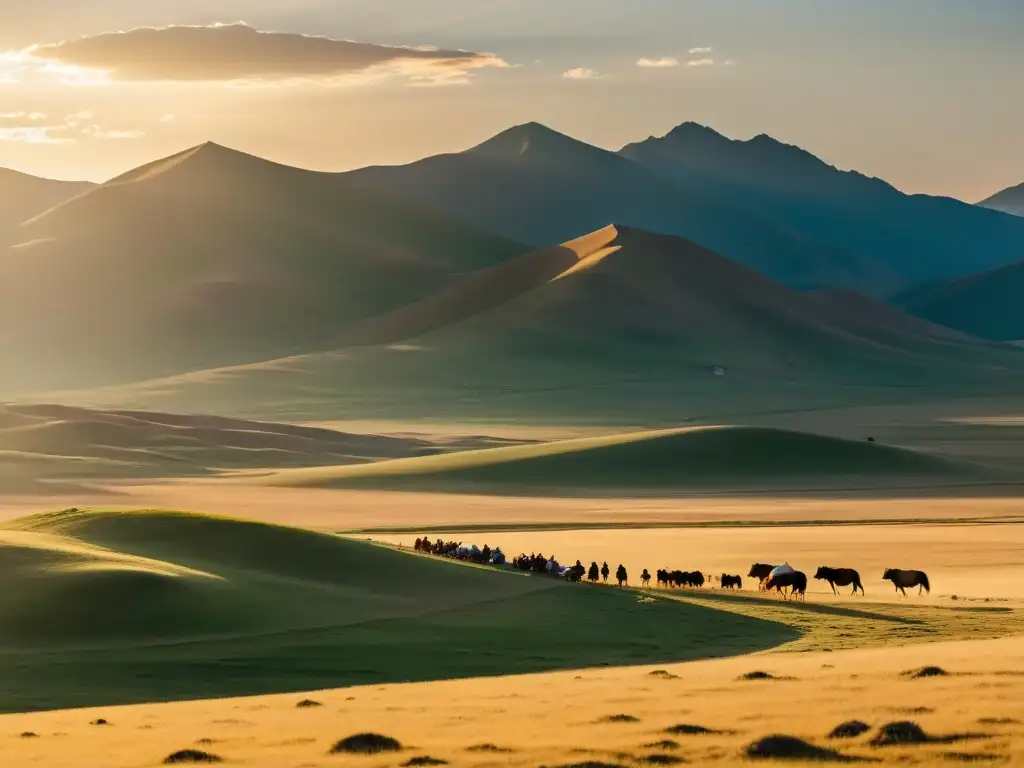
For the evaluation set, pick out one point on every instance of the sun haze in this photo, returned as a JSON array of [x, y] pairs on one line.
[[580, 384]]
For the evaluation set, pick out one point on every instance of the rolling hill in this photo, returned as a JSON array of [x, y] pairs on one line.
[[49, 446], [23, 196], [697, 459], [1010, 200], [985, 305], [214, 257], [618, 323], [104, 608], [533, 184], [918, 237]]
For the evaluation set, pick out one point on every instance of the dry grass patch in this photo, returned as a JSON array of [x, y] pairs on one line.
[[779, 747], [917, 674], [186, 756], [366, 744], [489, 748], [619, 719], [423, 760], [851, 729]]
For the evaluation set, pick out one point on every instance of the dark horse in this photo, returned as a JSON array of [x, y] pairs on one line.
[[902, 579], [728, 582], [575, 574], [621, 576], [844, 577], [594, 573], [797, 581], [761, 571], [645, 578]]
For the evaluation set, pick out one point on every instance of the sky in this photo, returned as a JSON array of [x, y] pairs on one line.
[[923, 93]]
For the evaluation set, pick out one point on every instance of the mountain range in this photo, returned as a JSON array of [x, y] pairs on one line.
[[1008, 201], [215, 280]]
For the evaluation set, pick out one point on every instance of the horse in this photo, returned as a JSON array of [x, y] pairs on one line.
[[796, 581], [575, 573], [844, 577], [605, 570], [662, 575], [645, 579], [901, 579], [621, 576], [728, 582], [761, 572], [594, 573]]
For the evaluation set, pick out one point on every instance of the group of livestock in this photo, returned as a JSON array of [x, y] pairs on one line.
[[778, 577]]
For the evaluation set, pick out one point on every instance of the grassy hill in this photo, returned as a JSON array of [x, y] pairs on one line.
[[918, 237], [985, 304], [214, 257], [656, 462], [114, 607], [535, 185], [621, 324]]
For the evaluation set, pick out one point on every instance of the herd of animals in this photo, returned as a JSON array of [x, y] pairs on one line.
[[769, 577]]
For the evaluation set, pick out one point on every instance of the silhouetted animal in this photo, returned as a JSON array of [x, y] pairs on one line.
[[662, 575], [796, 581], [620, 575], [645, 579], [902, 579], [761, 572], [605, 570], [728, 582], [844, 577], [575, 573], [594, 573], [686, 578]]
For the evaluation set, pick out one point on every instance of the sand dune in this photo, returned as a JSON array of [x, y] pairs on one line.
[[617, 322], [699, 458], [23, 196], [213, 257], [484, 290]]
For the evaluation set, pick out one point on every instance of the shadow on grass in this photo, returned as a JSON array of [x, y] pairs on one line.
[[790, 605]]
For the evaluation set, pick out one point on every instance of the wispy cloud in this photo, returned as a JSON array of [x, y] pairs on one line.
[[37, 128], [705, 62], [696, 51], [583, 73], [236, 53], [662, 63]]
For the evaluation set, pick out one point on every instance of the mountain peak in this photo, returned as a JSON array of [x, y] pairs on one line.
[[528, 138]]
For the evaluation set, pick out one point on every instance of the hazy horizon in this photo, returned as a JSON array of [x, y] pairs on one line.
[[917, 94]]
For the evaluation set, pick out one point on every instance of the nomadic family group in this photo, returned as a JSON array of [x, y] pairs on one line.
[[778, 577]]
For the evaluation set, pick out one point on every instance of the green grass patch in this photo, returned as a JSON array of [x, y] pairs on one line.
[[105, 608]]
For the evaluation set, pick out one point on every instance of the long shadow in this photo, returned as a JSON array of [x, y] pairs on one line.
[[817, 608]]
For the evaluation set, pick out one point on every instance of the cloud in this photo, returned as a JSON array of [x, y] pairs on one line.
[[239, 53], [662, 63], [695, 51], [583, 73], [36, 128], [730, 62], [700, 62]]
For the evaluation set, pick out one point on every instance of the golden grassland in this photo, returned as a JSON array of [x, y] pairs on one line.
[[614, 716]]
